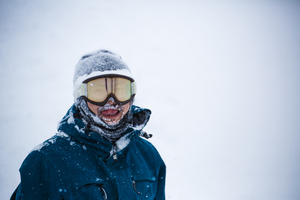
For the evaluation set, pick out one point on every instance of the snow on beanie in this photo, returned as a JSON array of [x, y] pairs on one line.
[[98, 63]]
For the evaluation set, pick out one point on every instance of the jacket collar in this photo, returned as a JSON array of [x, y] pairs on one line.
[[72, 125]]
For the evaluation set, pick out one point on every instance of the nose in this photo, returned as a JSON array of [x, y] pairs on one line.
[[111, 100]]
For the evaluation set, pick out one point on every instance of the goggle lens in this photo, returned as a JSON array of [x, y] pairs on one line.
[[99, 89], [122, 89]]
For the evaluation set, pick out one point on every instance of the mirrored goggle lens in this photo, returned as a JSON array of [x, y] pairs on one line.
[[99, 89]]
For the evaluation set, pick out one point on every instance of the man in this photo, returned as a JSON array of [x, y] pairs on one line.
[[98, 152]]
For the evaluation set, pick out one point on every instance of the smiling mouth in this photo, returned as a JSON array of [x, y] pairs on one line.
[[110, 113]]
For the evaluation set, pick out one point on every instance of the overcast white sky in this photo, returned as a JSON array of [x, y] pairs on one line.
[[221, 78]]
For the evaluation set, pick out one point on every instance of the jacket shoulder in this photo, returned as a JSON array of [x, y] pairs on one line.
[[58, 150], [147, 151], [143, 143]]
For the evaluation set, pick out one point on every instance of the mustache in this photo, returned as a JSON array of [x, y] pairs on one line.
[[108, 106]]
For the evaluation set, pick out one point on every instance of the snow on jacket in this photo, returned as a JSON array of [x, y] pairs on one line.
[[77, 164]]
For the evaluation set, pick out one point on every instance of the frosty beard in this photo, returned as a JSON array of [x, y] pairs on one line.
[[111, 114]]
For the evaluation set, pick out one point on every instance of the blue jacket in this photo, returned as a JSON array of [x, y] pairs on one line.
[[78, 164]]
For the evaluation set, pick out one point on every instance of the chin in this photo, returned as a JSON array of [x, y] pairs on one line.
[[111, 121]]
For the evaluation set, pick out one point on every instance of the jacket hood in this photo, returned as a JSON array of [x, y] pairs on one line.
[[73, 126]]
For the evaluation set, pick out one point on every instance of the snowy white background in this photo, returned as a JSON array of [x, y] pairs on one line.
[[221, 77]]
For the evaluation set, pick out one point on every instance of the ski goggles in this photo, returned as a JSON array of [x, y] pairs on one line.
[[98, 90]]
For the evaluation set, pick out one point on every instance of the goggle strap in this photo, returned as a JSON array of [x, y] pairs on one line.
[[133, 87], [82, 90]]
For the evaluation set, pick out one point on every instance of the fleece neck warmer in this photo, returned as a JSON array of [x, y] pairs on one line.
[[96, 124]]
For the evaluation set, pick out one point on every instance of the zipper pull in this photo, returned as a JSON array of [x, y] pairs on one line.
[[115, 157], [133, 183], [104, 193]]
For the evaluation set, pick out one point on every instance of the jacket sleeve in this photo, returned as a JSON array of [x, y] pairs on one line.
[[160, 194], [38, 178]]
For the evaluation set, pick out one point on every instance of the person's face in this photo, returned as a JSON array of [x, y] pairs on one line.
[[111, 113]]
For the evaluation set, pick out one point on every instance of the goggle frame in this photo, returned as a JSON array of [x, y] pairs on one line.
[[84, 94]]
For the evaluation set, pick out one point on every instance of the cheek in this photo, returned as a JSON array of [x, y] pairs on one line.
[[93, 108], [126, 108]]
